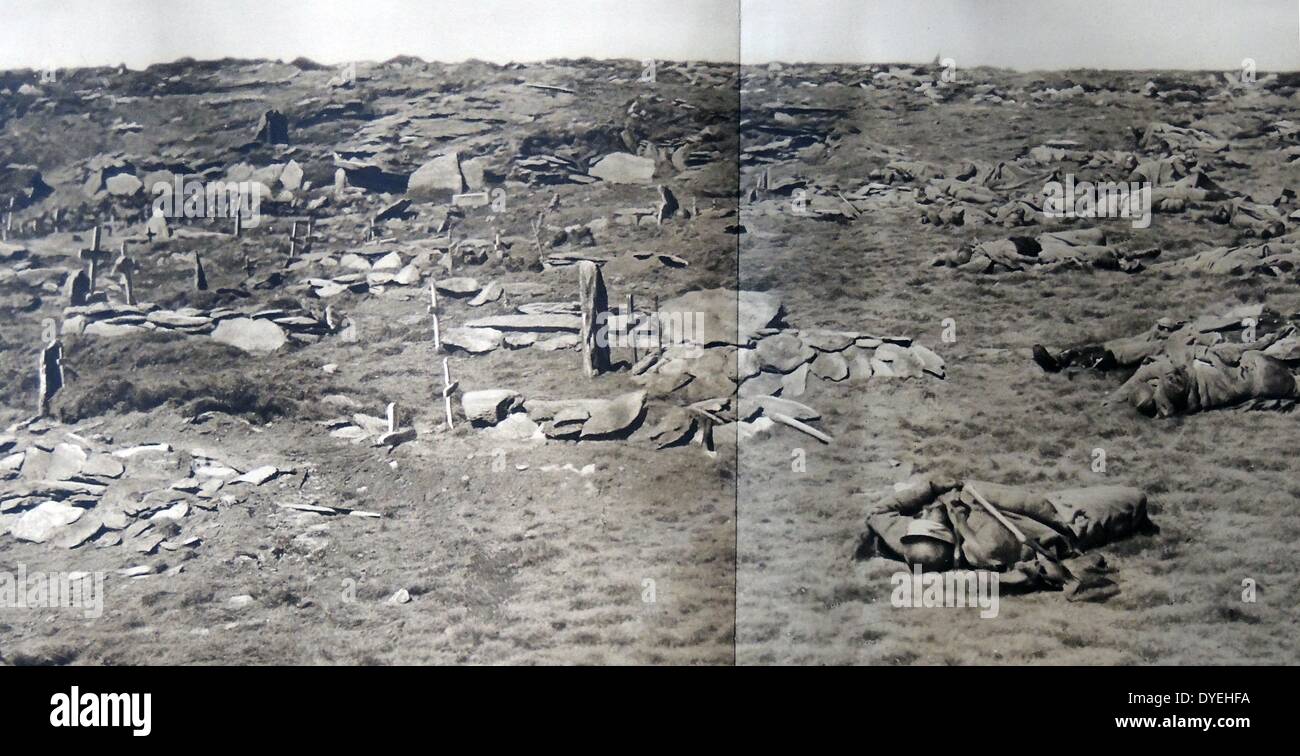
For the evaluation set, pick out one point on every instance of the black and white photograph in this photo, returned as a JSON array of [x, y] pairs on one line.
[[651, 333]]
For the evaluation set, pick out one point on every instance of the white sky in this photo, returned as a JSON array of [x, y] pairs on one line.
[[1028, 34], [1024, 34]]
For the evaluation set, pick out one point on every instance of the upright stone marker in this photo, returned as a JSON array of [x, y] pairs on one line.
[[200, 278], [78, 289], [594, 301], [51, 375], [126, 267]]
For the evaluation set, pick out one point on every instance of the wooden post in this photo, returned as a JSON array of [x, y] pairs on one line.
[[239, 224], [629, 324], [433, 309], [659, 333], [446, 392], [391, 411], [594, 300]]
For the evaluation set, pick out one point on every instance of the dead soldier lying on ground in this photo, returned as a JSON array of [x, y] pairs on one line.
[[1034, 540], [1185, 367]]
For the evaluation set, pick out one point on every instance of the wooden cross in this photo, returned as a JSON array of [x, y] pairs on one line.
[[126, 267], [95, 256]]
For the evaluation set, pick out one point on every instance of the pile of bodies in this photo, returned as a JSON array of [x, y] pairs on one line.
[[1084, 248], [1246, 358], [1277, 258], [938, 525]]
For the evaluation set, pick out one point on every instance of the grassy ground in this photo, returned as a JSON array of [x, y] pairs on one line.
[[504, 565], [1222, 484]]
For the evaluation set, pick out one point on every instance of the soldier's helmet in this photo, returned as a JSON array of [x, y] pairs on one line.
[[929, 544]]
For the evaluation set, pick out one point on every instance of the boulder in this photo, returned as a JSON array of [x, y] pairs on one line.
[[488, 406], [123, 185], [893, 361], [783, 352], [516, 427], [831, 365], [291, 176], [255, 336], [677, 427], [930, 362], [45, 520], [461, 286], [556, 343], [624, 168], [614, 418], [390, 261], [716, 316], [472, 340], [829, 341], [490, 293], [795, 383], [257, 476], [438, 179]]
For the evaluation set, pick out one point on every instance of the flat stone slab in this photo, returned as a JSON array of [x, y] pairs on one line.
[[783, 353], [535, 323], [461, 286], [624, 168], [489, 406], [473, 340], [258, 336], [716, 316], [42, 522]]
